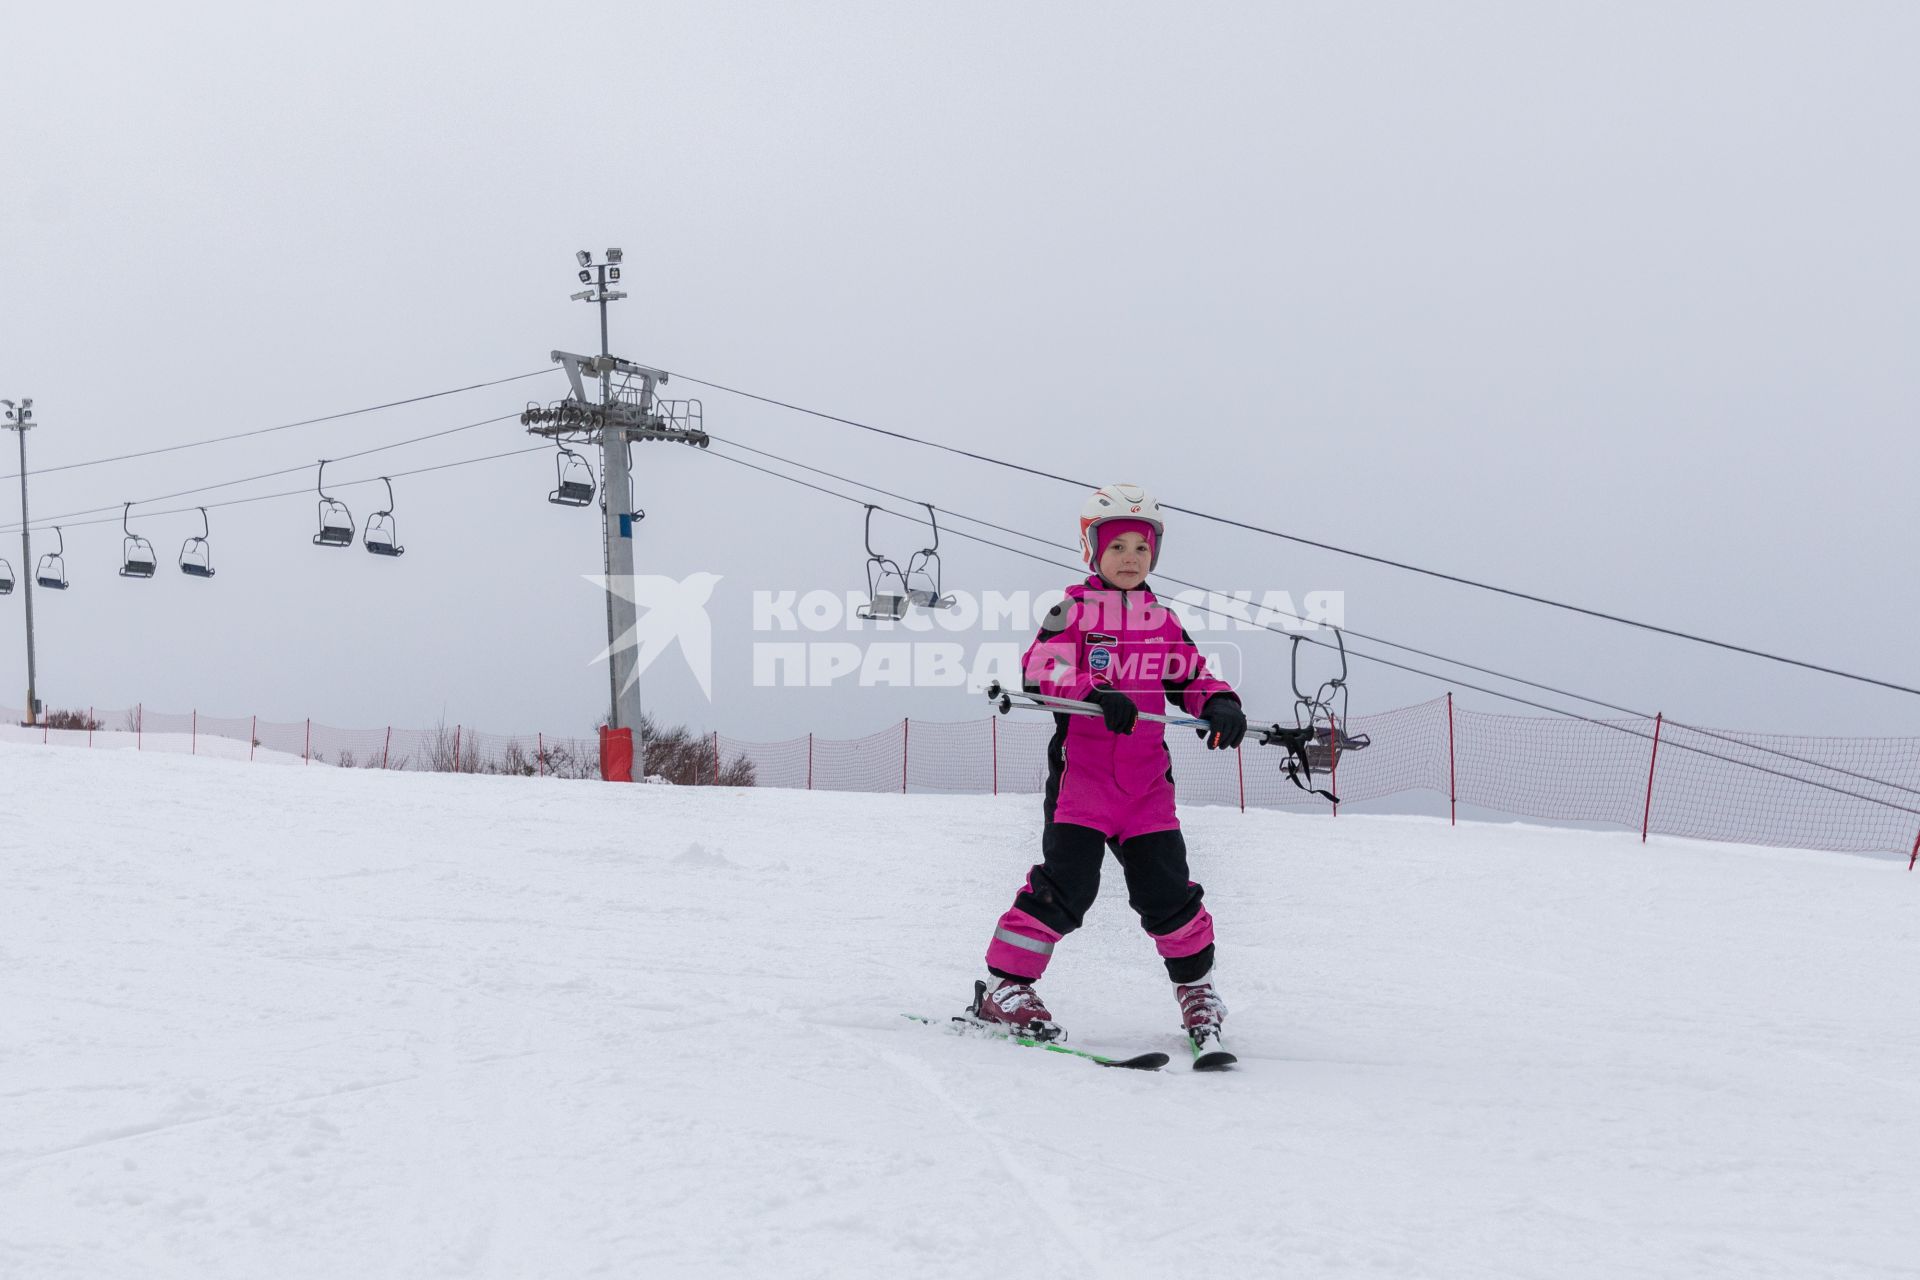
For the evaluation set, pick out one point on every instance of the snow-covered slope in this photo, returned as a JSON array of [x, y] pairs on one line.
[[337, 1023]]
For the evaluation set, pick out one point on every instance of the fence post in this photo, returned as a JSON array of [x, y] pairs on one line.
[[994, 721], [139, 726], [1916, 852], [1333, 758], [386, 750], [89, 726], [1453, 788], [456, 748], [193, 744], [540, 752], [904, 722], [306, 752], [716, 757], [1240, 765], [253, 737], [809, 762], [1647, 816]]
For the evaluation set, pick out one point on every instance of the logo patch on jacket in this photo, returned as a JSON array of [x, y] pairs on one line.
[[1099, 659], [1101, 637]]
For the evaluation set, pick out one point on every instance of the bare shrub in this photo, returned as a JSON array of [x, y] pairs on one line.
[[687, 759]]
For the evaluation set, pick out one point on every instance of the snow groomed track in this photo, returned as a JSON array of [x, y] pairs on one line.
[[326, 1022]]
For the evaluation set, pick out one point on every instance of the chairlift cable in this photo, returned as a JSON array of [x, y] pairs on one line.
[[268, 475], [285, 426], [1510, 697], [1404, 648], [307, 491], [1328, 546]]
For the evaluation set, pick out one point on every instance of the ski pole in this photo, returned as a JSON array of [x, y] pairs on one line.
[[1003, 699], [1295, 740]]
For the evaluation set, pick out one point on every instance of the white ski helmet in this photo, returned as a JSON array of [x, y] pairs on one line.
[[1119, 502]]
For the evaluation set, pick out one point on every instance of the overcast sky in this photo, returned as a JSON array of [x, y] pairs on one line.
[[1616, 303]]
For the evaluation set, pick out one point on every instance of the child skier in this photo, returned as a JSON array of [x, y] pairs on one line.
[[1109, 778]]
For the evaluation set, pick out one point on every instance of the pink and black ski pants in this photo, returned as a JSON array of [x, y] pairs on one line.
[[1058, 892]]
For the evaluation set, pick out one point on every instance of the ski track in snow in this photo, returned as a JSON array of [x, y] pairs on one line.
[[318, 1022]]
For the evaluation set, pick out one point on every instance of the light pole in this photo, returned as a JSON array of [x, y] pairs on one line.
[[616, 495], [627, 412], [19, 419]]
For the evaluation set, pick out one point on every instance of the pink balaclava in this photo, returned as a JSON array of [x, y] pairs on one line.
[[1107, 530]]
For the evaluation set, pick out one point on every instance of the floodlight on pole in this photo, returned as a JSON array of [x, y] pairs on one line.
[[614, 255], [584, 258]]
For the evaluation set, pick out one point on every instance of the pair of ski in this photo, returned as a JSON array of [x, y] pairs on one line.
[[1207, 1054]]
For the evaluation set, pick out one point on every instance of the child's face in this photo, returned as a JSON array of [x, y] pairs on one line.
[[1124, 563]]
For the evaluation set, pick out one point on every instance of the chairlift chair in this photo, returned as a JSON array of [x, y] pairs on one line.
[[6, 578], [51, 572], [336, 522], [882, 606], [1315, 711], [924, 569], [575, 480], [136, 553], [380, 537], [196, 554]]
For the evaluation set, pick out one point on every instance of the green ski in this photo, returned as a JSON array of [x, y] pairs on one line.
[[1139, 1062]]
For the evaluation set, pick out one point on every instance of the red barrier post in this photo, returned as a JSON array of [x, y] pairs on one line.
[[1453, 787], [903, 755], [1240, 764], [1916, 852], [616, 755], [994, 724], [1647, 817], [386, 750]]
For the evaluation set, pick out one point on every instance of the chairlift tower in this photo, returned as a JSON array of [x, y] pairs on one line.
[[19, 419], [623, 409]]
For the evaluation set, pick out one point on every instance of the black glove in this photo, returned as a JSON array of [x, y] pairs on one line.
[[1226, 722], [1121, 711]]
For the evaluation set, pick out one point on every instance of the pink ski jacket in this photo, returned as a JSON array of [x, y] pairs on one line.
[[1101, 637]]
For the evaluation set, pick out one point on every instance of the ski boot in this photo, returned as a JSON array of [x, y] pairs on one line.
[[1204, 1016], [1013, 1008]]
